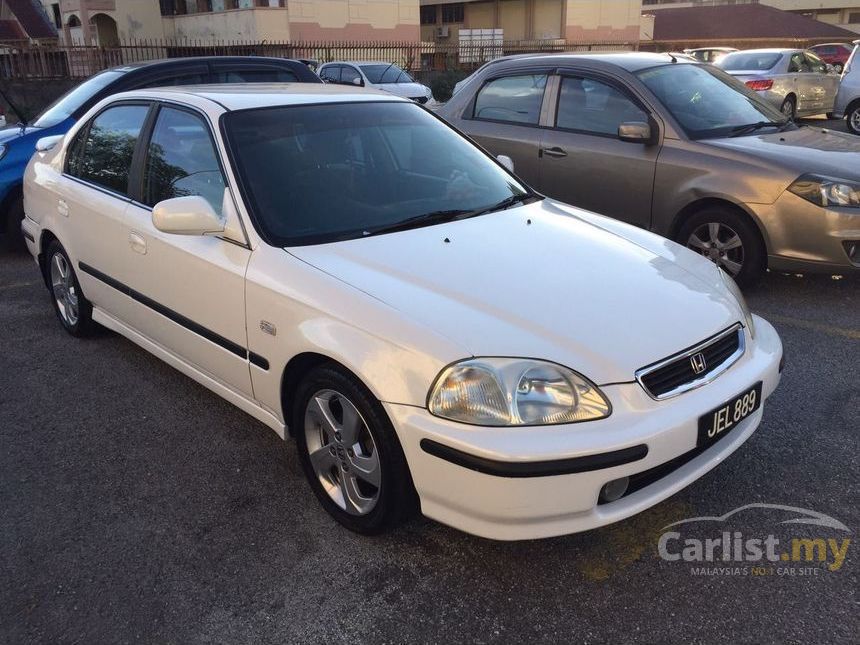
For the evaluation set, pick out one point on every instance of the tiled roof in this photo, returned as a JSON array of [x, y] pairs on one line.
[[31, 18], [737, 22]]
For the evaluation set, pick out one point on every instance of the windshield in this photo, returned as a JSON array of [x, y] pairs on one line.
[[740, 61], [67, 104], [706, 101], [383, 73], [314, 174]]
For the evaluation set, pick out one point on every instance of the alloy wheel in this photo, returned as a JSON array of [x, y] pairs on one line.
[[719, 243], [854, 120], [342, 452], [63, 287]]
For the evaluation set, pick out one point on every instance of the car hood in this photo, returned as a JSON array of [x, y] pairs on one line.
[[406, 90], [543, 281], [15, 131], [805, 150]]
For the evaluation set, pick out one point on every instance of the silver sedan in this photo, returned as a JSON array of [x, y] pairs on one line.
[[794, 80]]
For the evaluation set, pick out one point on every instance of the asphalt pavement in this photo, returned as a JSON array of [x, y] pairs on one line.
[[136, 506]]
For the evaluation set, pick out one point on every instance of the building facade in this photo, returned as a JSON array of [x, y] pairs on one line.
[[572, 20], [101, 22], [841, 13]]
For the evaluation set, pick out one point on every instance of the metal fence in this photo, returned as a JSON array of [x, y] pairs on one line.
[[31, 61]]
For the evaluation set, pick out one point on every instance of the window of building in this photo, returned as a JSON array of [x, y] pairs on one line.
[[428, 14], [58, 18], [104, 156], [513, 98], [452, 13], [854, 17], [587, 105], [181, 160]]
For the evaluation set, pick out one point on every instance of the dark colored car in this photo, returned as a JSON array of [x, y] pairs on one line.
[[18, 142], [835, 54]]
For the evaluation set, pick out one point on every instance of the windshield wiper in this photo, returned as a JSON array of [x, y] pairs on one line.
[[425, 219], [752, 127], [443, 216]]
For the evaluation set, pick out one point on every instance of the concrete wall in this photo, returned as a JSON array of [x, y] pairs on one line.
[[376, 20], [263, 23], [602, 20]]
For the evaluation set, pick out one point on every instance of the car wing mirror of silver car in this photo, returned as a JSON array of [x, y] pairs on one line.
[[191, 215], [636, 132], [48, 143]]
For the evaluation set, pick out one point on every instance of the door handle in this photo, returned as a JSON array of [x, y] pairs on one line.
[[137, 243], [63, 208], [555, 151]]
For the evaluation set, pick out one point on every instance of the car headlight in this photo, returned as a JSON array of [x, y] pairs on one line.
[[2, 150], [827, 191], [515, 392], [732, 286]]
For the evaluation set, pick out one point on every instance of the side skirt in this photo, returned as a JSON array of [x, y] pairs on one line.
[[239, 400]]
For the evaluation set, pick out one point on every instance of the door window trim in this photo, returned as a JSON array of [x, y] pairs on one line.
[[84, 131], [469, 111], [606, 80]]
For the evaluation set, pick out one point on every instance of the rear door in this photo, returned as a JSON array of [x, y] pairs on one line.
[[95, 197], [582, 160], [505, 118]]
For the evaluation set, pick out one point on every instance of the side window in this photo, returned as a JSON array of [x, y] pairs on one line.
[[104, 156], [797, 64], [259, 75], [331, 74], [591, 106], [348, 74], [516, 99], [816, 64], [181, 160], [173, 81]]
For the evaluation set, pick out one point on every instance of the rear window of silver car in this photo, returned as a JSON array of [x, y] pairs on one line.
[[739, 61]]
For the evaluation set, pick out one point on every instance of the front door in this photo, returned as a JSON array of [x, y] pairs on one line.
[[582, 160], [190, 289]]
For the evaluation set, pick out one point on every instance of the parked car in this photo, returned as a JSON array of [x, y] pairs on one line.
[[17, 142], [678, 148], [835, 54], [793, 80], [848, 99], [349, 270], [709, 54], [378, 75]]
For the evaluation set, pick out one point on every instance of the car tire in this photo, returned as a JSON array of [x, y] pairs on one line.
[[11, 238], [357, 470], [72, 308], [852, 118], [729, 239], [789, 107]]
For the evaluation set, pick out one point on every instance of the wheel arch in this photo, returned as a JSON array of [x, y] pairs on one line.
[[45, 239], [294, 371], [717, 202]]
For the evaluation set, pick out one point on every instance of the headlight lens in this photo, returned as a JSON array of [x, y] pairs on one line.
[[827, 191], [732, 286], [515, 392]]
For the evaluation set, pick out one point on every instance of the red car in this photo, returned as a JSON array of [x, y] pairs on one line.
[[835, 54]]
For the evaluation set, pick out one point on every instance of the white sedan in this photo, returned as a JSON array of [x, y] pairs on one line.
[[352, 272]]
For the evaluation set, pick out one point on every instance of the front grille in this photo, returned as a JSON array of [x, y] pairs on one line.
[[694, 366]]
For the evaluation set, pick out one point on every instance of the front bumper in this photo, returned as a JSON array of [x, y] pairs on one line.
[[804, 237], [507, 506]]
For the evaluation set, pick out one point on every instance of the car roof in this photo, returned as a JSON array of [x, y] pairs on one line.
[[244, 96], [362, 62], [630, 61], [170, 62], [768, 50]]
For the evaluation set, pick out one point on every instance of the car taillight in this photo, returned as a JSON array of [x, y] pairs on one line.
[[760, 86]]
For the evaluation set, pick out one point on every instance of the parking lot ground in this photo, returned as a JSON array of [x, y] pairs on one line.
[[137, 506]]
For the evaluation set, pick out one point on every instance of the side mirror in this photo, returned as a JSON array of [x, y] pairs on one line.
[[636, 132], [190, 215], [48, 143], [357, 81], [506, 161]]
